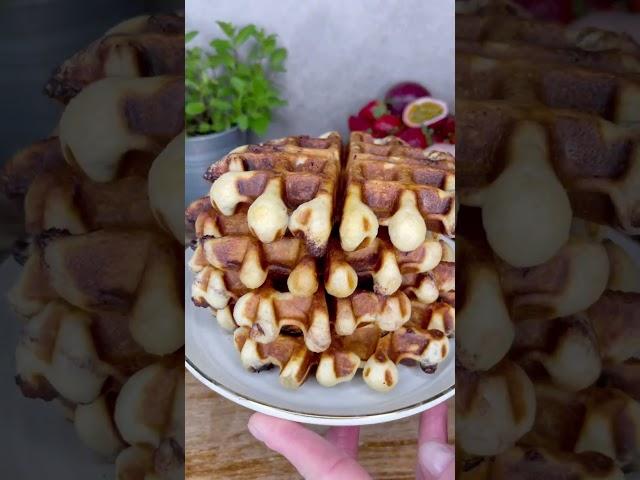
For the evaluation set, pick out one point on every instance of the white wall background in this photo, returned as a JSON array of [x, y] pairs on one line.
[[342, 52]]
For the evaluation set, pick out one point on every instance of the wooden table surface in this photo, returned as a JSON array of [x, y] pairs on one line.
[[219, 446]]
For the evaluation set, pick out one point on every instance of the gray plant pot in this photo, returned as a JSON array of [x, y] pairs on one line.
[[200, 152]]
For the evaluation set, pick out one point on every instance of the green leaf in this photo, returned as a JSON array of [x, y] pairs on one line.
[[194, 108], [243, 122], [190, 36], [220, 45], [244, 34], [238, 84], [269, 45], [204, 127], [228, 29], [227, 59], [277, 58], [260, 124], [219, 104]]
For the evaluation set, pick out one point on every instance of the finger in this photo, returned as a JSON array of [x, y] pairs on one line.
[[345, 439], [433, 425], [313, 456], [436, 461]]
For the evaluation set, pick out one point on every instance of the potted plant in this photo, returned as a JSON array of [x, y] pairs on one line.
[[228, 92]]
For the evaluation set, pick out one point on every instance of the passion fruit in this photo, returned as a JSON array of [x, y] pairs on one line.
[[424, 111]]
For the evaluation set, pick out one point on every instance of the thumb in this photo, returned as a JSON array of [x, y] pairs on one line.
[[436, 461]]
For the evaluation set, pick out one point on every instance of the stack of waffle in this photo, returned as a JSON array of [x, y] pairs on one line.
[[547, 338], [99, 293], [292, 255]]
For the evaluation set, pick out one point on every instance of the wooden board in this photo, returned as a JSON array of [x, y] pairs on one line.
[[220, 447]]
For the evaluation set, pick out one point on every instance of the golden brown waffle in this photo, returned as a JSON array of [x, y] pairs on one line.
[[64, 201], [515, 30], [379, 260], [19, 171], [428, 287], [547, 463], [615, 61], [131, 272], [588, 420], [287, 257], [388, 312], [150, 46], [266, 312], [595, 179], [368, 348], [409, 194], [289, 184], [608, 95], [567, 284]]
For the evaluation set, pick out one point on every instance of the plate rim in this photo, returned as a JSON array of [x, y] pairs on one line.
[[313, 418]]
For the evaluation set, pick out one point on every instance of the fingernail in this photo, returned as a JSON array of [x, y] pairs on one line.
[[435, 457], [256, 432]]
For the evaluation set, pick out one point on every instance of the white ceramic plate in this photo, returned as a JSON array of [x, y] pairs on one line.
[[212, 358]]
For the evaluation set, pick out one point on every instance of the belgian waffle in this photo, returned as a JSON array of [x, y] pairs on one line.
[[254, 260], [64, 201], [366, 348], [533, 149], [610, 96], [516, 30], [150, 46], [548, 118], [287, 184], [379, 260], [409, 194], [439, 283], [615, 61]]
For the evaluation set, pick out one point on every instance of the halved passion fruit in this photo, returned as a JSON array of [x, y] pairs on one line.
[[424, 111]]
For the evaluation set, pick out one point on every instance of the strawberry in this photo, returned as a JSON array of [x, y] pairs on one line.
[[358, 124], [444, 130], [387, 124], [373, 110], [414, 137]]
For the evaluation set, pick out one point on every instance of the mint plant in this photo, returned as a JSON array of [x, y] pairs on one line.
[[231, 85]]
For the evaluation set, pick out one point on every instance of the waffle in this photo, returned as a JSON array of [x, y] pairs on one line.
[[615, 61], [588, 420], [409, 194], [532, 150], [430, 286], [205, 221], [151, 46], [493, 409], [17, 173], [366, 348], [610, 96], [484, 331], [63, 201], [288, 184], [389, 312], [379, 260], [254, 260], [130, 111], [515, 30], [265, 312], [83, 271], [546, 463], [569, 283]]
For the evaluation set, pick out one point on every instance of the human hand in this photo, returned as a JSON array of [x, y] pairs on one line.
[[334, 456]]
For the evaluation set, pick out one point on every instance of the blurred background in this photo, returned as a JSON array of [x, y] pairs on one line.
[[342, 54]]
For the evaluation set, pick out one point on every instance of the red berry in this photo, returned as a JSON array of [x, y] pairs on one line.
[[373, 110], [358, 124], [387, 124], [414, 137]]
